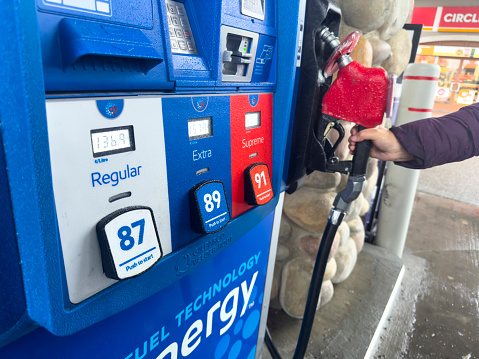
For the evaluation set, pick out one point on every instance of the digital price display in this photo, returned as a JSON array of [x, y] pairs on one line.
[[200, 128], [252, 120], [107, 141]]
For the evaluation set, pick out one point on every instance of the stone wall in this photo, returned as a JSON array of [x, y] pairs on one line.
[[383, 43]]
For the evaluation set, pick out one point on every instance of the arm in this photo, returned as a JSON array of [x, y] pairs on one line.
[[432, 141]]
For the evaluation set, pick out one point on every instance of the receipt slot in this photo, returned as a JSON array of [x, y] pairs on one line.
[[130, 227]]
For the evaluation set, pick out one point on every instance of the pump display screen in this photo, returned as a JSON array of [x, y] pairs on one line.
[[252, 120], [107, 141], [200, 128]]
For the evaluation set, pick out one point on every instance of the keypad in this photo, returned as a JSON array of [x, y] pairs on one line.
[[181, 37]]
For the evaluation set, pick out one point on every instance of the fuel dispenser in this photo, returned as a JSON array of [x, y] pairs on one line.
[[140, 161]]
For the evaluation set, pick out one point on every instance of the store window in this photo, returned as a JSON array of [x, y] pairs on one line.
[[458, 84]]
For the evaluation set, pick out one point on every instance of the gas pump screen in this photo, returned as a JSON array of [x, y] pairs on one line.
[[200, 128], [107, 141], [252, 120]]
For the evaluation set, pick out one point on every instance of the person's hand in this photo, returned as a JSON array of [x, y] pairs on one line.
[[385, 145]]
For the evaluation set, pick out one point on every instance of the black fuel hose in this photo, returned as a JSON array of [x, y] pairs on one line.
[[334, 220], [270, 345], [341, 205]]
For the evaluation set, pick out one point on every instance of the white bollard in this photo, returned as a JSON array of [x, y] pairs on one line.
[[417, 100]]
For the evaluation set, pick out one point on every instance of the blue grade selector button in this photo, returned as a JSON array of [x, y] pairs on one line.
[[209, 208], [129, 242]]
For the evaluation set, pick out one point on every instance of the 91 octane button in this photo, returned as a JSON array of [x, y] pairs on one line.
[[257, 184], [129, 242]]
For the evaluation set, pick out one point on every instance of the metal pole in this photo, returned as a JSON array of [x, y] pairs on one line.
[[417, 100]]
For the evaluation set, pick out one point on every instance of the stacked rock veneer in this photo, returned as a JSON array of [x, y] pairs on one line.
[[304, 219], [383, 43]]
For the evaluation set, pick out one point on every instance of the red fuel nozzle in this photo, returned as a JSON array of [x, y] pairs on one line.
[[358, 95]]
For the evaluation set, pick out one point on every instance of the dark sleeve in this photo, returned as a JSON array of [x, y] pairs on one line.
[[435, 141]]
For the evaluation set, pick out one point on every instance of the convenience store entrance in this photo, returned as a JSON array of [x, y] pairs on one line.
[[458, 82]]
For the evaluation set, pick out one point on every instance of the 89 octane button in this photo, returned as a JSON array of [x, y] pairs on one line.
[[129, 242], [209, 207]]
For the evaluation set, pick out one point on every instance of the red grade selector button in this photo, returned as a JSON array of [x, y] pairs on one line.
[[257, 184]]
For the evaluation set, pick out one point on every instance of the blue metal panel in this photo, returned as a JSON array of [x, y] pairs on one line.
[[185, 158], [264, 59], [290, 131], [212, 313], [12, 300], [23, 128], [204, 17], [288, 12], [232, 16], [124, 51], [129, 48], [136, 13]]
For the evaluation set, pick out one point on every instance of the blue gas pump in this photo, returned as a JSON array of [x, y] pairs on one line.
[[142, 148], [141, 168]]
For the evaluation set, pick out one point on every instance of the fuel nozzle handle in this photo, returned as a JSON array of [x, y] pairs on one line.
[[357, 176], [361, 156]]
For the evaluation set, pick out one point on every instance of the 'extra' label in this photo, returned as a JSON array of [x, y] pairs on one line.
[[113, 178], [202, 154]]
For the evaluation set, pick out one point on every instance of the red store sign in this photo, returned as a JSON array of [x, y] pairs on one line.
[[450, 19]]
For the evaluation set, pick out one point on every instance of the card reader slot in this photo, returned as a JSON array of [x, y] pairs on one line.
[[238, 52], [113, 47]]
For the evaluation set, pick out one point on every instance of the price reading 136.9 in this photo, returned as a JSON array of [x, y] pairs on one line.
[[112, 140]]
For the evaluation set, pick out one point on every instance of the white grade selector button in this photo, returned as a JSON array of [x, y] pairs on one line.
[[129, 242]]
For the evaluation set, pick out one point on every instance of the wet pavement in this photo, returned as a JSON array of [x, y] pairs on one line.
[[458, 181], [435, 313], [344, 327]]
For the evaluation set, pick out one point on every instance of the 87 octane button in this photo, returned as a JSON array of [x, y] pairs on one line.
[[129, 242]]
